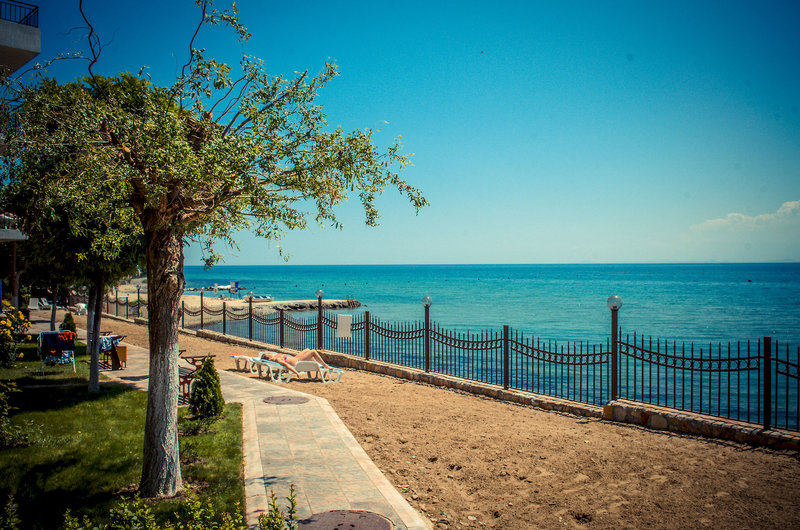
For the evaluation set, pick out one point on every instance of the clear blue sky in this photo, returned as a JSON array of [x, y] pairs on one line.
[[542, 132]]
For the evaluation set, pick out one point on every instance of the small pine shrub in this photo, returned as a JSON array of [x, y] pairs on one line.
[[205, 400], [68, 324]]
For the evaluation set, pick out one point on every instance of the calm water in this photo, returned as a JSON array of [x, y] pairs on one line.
[[693, 302]]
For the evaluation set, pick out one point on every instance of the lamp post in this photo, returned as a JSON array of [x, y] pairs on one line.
[[614, 302], [320, 293], [426, 302]]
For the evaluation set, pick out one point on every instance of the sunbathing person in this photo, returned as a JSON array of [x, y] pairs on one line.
[[290, 361]]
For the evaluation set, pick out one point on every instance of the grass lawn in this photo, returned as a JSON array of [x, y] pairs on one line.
[[85, 449]]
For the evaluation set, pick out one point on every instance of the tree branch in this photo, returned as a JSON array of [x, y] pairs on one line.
[[203, 8], [95, 54]]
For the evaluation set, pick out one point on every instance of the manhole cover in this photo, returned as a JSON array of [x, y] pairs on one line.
[[285, 400], [346, 520]]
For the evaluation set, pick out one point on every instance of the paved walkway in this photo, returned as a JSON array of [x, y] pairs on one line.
[[304, 444]]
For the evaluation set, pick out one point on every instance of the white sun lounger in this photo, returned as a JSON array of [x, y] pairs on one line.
[[334, 375], [275, 371], [244, 359], [278, 372]]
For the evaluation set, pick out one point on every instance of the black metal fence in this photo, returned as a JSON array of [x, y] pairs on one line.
[[126, 306], [755, 382], [20, 13]]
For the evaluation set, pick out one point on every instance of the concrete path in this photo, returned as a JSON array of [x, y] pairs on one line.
[[304, 444]]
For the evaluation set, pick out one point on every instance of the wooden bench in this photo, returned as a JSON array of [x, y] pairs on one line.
[[186, 374]]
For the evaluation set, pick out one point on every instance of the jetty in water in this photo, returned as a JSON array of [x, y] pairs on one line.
[[309, 305]]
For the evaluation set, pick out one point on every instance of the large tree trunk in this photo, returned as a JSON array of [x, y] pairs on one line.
[[14, 276], [93, 333], [53, 291], [90, 309], [161, 470]]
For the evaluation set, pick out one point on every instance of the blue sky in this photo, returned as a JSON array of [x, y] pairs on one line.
[[542, 132]]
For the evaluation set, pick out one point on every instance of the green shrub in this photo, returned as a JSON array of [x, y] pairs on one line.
[[68, 324], [192, 514], [275, 519], [13, 330], [205, 400], [9, 519], [10, 435]]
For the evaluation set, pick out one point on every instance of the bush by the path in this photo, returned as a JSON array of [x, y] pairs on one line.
[[205, 400], [68, 324]]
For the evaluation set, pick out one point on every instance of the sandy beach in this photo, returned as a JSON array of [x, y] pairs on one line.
[[214, 301], [240, 307], [466, 461]]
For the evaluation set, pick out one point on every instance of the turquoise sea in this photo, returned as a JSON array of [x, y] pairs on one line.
[[683, 302]]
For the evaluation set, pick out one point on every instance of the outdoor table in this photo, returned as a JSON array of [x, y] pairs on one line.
[[111, 355], [196, 360], [186, 374]]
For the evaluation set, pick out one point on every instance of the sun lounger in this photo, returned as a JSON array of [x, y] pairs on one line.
[[278, 372], [334, 375], [273, 370], [251, 364], [246, 360], [38, 303]]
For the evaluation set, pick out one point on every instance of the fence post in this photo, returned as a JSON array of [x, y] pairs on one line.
[[107, 304], [614, 302], [613, 353], [183, 313], [281, 327], [250, 319], [138, 301], [767, 398], [426, 302], [505, 357], [366, 335], [427, 338], [224, 319], [201, 309], [319, 319]]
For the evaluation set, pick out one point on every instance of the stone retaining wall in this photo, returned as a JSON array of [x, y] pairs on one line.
[[690, 423]]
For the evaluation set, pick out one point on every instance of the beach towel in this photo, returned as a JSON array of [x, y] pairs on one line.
[[107, 343], [344, 326]]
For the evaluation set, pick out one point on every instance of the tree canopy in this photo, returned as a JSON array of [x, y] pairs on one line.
[[200, 159]]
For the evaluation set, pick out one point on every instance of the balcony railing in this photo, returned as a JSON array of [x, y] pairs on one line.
[[7, 221], [20, 13]]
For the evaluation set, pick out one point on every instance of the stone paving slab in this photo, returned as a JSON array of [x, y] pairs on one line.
[[308, 445], [305, 445]]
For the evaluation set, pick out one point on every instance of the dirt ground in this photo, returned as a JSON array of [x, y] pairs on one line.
[[466, 461]]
